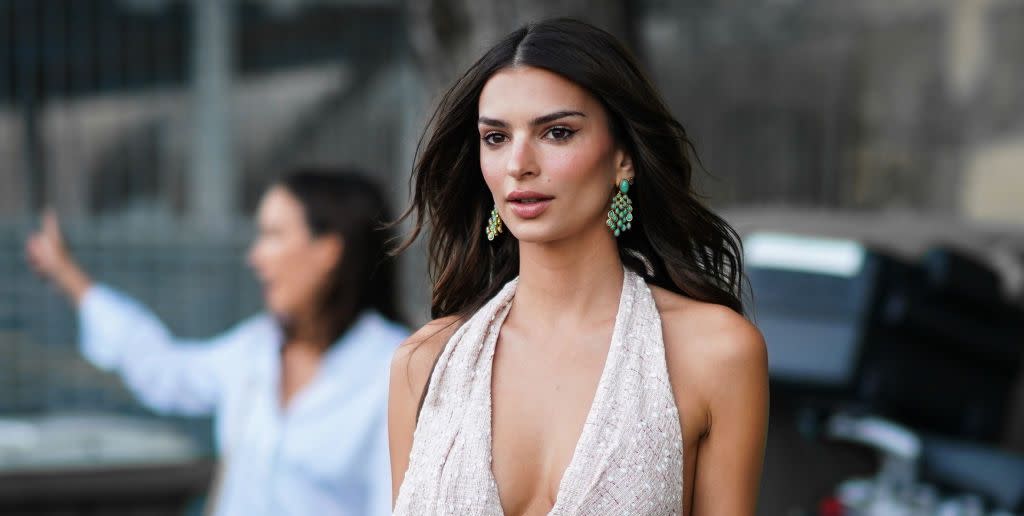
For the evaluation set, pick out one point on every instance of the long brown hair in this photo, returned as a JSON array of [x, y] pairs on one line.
[[675, 241], [345, 203]]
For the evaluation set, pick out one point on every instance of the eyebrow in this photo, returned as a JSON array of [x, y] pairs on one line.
[[551, 117]]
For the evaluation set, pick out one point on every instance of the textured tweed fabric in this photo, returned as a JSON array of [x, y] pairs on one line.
[[629, 457]]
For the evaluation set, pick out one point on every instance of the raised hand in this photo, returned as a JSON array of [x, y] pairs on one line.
[[48, 255]]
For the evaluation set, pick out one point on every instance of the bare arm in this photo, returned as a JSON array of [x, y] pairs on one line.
[[718, 366], [735, 387], [410, 370]]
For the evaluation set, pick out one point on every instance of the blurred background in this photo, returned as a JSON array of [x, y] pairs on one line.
[[887, 135]]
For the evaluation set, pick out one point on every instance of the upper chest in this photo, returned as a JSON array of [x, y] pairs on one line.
[[542, 389], [544, 402]]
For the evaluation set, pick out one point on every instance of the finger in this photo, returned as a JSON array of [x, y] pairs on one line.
[[51, 224]]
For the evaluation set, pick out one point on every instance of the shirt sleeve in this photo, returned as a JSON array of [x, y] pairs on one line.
[[170, 376]]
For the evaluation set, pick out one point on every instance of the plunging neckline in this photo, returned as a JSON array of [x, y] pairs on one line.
[[600, 394]]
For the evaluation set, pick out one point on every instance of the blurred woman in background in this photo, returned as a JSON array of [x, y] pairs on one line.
[[297, 393]]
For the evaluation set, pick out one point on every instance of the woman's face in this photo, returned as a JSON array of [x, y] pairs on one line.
[[291, 264], [547, 154]]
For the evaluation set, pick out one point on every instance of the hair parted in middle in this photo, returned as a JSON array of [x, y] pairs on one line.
[[675, 241]]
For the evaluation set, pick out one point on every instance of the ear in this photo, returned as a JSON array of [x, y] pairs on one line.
[[623, 166], [329, 249]]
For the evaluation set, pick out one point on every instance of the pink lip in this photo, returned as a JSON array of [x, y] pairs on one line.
[[518, 195], [527, 204]]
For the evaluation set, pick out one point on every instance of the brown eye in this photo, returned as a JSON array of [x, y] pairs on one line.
[[494, 138], [560, 133]]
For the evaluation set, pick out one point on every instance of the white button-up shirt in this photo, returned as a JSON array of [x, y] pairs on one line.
[[324, 454]]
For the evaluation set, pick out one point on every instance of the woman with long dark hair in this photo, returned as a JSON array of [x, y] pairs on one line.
[[590, 354], [297, 393]]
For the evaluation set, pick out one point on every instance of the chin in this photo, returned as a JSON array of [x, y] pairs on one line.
[[533, 235], [276, 307]]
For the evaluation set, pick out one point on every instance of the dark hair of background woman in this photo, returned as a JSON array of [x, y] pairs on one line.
[[346, 203], [675, 242]]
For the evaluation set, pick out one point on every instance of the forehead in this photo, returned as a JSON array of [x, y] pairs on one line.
[[529, 92], [279, 204]]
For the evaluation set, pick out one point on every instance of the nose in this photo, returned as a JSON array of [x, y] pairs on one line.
[[521, 162]]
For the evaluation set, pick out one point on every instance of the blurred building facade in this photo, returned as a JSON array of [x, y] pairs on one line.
[[860, 105]]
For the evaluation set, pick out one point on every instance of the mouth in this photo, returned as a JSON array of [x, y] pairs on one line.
[[528, 197], [527, 204]]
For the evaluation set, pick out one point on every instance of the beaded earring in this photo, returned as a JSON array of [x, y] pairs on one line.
[[620, 215], [493, 224]]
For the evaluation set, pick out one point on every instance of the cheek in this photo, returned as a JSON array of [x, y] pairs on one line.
[[584, 172], [301, 282], [490, 166], [570, 167], [283, 259], [296, 278], [273, 255]]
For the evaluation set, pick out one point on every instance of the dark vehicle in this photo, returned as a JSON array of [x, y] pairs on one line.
[[914, 360]]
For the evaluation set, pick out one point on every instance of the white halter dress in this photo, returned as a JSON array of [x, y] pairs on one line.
[[629, 457]]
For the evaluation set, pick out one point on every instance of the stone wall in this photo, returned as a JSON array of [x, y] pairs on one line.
[[864, 105]]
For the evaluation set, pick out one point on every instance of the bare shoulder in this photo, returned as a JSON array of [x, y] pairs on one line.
[[725, 334], [718, 370], [411, 366], [706, 343], [414, 359]]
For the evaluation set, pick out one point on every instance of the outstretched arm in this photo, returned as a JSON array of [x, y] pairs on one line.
[[167, 374], [119, 333]]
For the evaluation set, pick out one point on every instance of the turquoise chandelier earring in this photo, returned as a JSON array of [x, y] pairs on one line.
[[620, 215], [493, 224]]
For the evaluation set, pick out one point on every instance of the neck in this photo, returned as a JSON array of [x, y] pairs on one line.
[[569, 281], [306, 330]]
